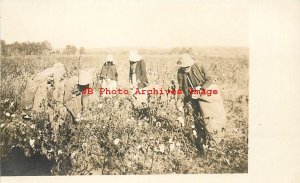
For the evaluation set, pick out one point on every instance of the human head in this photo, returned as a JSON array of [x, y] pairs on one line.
[[110, 58], [134, 56], [186, 61]]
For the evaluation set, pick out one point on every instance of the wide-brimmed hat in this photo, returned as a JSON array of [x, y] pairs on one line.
[[110, 58], [185, 60], [134, 56], [85, 77]]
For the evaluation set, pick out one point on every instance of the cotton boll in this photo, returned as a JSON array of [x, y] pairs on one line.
[[162, 148], [172, 147], [31, 142], [32, 126], [116, 141], [181, 121], [195, 133]]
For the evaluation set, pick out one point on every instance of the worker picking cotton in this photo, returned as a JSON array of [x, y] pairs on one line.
[[109, 75], [138, 79], [208, 110]]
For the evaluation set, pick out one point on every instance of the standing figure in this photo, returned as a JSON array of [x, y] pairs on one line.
[[207, 110], [138, 81], [109, 74]]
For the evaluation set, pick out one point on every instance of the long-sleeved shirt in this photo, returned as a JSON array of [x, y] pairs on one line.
[[109, 71], [140, 74], [198, 75]]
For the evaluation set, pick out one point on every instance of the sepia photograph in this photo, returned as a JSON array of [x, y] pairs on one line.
[[123, 88]]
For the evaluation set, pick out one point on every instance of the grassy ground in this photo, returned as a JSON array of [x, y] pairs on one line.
[[90, 147]]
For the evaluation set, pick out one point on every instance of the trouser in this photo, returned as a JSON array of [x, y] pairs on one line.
[[194, 119]]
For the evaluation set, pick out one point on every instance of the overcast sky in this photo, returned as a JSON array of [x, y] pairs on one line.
[[94, 24]]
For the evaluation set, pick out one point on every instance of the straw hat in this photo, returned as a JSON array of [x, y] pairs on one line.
[[110, 58], [85, 77], [134, 56], [185, 60]]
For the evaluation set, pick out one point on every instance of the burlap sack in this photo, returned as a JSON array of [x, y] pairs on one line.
[[74, 106], [213, 111], [58, 93], [71, 100], [32, 85], [40, 99]]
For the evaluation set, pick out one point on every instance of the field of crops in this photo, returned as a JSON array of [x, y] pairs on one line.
[[110, 140]]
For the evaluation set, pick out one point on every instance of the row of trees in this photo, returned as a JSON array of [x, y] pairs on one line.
[[25, 48], [71, 50], [38, 48], [35, 48]]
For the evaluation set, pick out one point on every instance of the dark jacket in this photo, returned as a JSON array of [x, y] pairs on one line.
[[199, 76], [141, 74], [109, 71]]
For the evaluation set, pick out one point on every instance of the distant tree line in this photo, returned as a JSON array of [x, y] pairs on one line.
[[38, 48], [25, 48], [35, 48]]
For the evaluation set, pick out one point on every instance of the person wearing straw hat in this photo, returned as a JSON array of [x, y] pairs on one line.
[[138, 80], [208, 111], [76, 97], [45, 91], [35, 93], [86, 82], [109, 74]]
